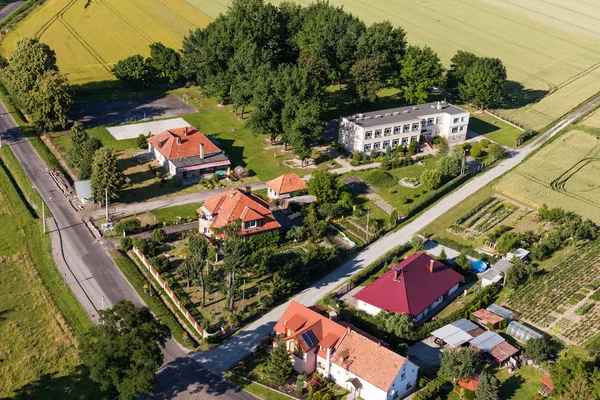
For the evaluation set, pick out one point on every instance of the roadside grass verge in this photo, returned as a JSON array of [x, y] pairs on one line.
[[174, 214], [256, 389], [41, 318], [154, 303]]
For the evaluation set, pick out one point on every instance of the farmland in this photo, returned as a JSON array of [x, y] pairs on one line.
[[39, 347], [558, 64], [89, 37], [562, 174], [561, 299]]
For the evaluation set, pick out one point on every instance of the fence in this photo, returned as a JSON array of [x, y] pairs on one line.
[[170, 293]]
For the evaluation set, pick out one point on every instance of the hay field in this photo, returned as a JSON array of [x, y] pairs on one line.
[[593, 120], [88, 40], [565, 173], [541, 57]]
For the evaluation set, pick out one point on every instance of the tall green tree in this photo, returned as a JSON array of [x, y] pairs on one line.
[[365, 81], [326, 186], [450, 166], [87, 157], [487, 389], [246, 65], [267, 105], [385, 44], [431, 179], [106, 175], [29, 60], [279, 365], [331, 34], [459, 65], [135, 71], [421, 70], [167, 62], [484, 83], [123, 353], [458, 364], [198, 249], [78, 137], [235, 260], [50, 100]]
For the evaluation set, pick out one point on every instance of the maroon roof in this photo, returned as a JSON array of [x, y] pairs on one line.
[[415, 290]]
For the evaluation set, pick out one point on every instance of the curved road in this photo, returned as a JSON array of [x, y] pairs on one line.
[[91, 273]]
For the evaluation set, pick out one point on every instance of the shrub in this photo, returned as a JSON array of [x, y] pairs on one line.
[[160, 263], [475, 151], [128, 226], [380, 178], [141, 141], [126, 243], [484, 143], [159, 236]]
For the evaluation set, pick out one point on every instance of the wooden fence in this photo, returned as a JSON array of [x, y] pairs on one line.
[[169, 292]]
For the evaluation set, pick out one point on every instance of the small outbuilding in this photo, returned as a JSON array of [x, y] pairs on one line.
[[84, 191], [521, 332], [521, 254], [504, 312], [547, 386], [490, 277], [285, 186], [488, 319]]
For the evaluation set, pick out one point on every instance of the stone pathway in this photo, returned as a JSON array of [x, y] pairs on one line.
[[359, 186]]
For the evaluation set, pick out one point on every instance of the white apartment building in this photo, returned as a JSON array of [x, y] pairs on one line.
[[397, 127]]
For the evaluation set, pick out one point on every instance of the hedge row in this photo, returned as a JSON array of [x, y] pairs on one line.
[[438, 194]]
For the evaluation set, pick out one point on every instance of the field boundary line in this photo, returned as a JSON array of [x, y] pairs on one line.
[[181, 16], [128, 22], [504, 120]]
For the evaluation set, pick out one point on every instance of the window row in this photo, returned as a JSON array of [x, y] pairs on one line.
[[457, 129], [461, 119], [397, 130], [431, 121], [387, 143]]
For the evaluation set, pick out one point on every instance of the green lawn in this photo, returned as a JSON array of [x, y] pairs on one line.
[[176, 213], [524, 384], [63, 140], [398, 196], [259, 391], [494, 129], [40, 317]]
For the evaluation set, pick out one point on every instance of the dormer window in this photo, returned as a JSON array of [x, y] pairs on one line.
[[252, 224]]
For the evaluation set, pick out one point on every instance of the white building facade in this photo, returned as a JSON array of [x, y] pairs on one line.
[[398, 127]]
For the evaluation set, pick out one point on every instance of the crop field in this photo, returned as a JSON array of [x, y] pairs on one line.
[[90, 36], [481, 218], [565, 173], [593, 120], [561, 299], [560, 67]]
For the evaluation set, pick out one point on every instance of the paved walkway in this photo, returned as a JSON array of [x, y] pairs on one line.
[[248, 338]]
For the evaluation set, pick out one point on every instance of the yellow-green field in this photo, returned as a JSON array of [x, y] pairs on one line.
[[593, 120], [539, 56], [565, 173], [90, 36]]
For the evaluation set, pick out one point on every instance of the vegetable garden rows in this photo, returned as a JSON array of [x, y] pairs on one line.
[[481, 218], [562, 299]]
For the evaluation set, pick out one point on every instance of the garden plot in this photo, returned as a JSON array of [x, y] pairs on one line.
[[483, 217], [561, 299]]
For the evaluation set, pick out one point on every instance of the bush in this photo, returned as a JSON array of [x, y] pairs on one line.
[[128, 226], [159, 236], [141, 141], [126, 244], [160, 263], [380, 178], [475, 151], [484, 143]]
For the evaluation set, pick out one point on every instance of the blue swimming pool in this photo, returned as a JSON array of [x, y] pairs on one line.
[[478, 266]]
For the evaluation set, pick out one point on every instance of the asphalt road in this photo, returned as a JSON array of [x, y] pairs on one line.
[[95, 279], [9, 8]]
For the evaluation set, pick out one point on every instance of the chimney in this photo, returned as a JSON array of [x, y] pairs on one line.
[[431, 265], [439, 105], [396, 274], [248, 189], [178, 140], [201, 150], [185, 131]]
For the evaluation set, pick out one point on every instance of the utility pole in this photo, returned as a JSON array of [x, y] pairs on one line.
[[244, 296], [368, 210], [462, 167], [106, 202]]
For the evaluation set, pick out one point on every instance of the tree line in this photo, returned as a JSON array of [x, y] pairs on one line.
[[278, 60]]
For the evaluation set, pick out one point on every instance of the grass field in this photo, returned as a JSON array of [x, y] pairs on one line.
[[39, 316], [565, 173], [540, 57], [494, 129], [593, 120], [90, 36]]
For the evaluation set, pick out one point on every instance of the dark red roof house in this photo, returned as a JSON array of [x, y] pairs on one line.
[[414, 287]]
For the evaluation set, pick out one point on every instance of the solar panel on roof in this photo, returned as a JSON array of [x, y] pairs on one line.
[[309, 338]]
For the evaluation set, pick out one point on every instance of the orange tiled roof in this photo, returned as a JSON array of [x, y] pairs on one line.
[[470, 384], [287, 183], [166, 143], [548, 382], [487, 317], [239, 204], [327, 332], [368, 360]]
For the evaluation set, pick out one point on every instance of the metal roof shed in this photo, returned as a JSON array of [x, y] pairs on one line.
[[487, 341], [465, 325], [521, 332], [84, 191], [452, 335]]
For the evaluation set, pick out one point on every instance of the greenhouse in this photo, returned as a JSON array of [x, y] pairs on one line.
[[507, 314], [521, 332]]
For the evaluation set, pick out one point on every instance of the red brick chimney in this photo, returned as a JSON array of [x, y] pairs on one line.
[[178, 140], [248, 189], [185, 131], [396, 274], [431, 266]]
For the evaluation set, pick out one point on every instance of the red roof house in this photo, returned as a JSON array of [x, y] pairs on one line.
[[237, 204], [470, 384], [414, 287], [285, 185], [348, 358], [186, 152]]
